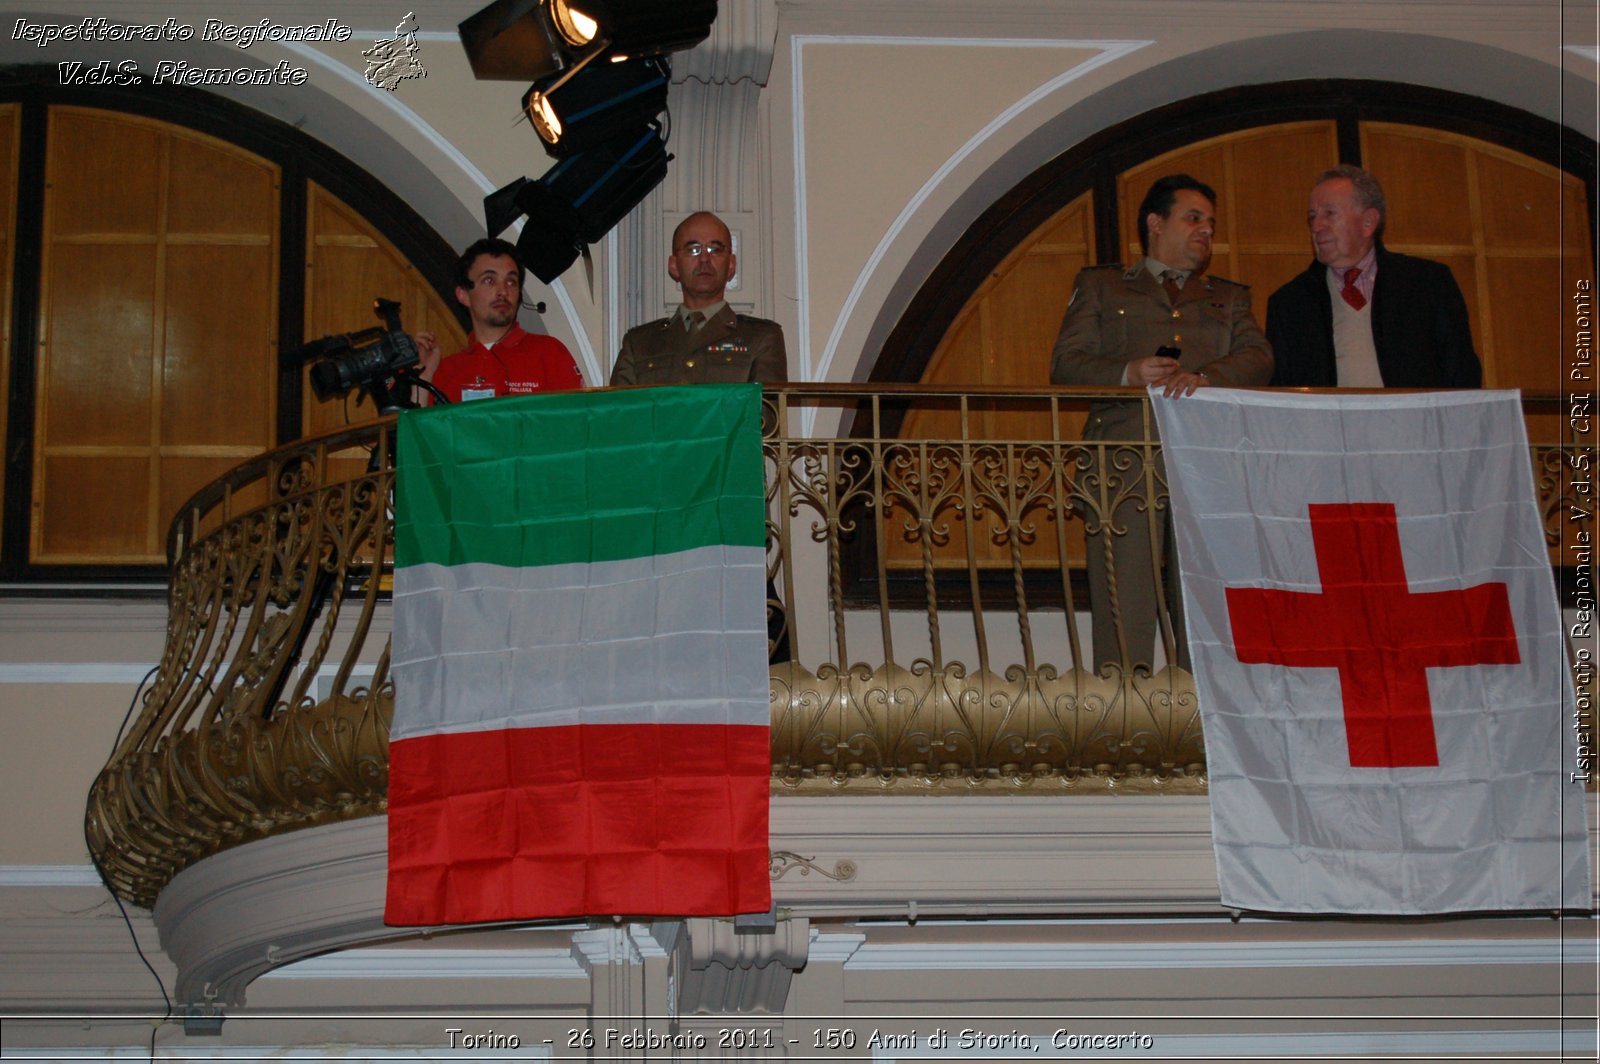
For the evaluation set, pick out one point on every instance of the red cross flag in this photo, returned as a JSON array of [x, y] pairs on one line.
[[1383, 675]]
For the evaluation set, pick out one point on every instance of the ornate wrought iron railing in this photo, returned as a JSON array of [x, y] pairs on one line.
[[926, 550]]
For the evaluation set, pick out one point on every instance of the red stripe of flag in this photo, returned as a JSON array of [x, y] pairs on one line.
[[646, 819]]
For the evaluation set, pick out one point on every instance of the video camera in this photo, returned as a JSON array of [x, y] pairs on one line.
[[381, 362]]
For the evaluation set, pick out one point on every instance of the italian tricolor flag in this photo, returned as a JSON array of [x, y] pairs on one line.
[[580, 658]]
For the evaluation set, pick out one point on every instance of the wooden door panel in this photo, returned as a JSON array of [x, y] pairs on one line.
[[1513, 230], [159, 320]]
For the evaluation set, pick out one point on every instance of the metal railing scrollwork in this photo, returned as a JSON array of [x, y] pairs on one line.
[[926, 561], [255, 722]]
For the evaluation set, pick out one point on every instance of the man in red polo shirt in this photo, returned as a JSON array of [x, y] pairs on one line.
[[500, 357]]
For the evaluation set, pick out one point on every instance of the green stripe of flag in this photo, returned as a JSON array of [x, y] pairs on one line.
[[581, 476]]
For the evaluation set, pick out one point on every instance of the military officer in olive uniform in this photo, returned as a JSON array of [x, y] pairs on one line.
[[1162, 323], [705, 341]]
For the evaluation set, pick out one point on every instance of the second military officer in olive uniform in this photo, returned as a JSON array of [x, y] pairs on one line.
[[705, 341], [1162, 323]]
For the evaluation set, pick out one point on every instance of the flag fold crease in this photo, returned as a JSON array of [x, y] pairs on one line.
[[1378, 652], [581, 700]]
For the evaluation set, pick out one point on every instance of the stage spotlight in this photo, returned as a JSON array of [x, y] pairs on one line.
[[575, 27], [511, 40], [524, 40], [500, 206], [633, 28], [572, 114], [590, 192], [580, 199], [546, 251]]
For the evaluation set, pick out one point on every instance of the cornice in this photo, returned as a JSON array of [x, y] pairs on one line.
[[92, 672], [82, 616], [56, 875], [1043, 17], [995, 855], [883, 863], [68, 950], [430, 964], [897, 884], [1356, 952]]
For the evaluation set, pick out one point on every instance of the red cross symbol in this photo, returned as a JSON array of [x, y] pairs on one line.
[[1381, 637]]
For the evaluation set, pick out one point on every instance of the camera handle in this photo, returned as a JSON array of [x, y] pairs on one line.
[[439, 398]]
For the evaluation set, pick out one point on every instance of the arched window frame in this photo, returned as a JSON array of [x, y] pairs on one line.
[[302, 161], [1094, 166]]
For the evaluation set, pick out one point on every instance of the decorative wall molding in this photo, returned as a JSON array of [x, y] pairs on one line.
[[436, 964], [49, 876], [119, 673], [83, 618], [597, 947], [67, 949], [834, 947], [1263, 953], [1006, 885], [1106, 52]]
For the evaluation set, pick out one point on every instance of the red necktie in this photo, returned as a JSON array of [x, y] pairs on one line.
[[1351, 293], [1169, 281]]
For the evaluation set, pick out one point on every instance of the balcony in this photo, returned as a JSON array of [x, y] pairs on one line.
[[926, 554]]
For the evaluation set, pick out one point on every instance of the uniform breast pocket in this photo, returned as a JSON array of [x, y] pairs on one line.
[[1217, 314], [727, 367]]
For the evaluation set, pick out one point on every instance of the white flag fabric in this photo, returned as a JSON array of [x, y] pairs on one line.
[[1378, 652]]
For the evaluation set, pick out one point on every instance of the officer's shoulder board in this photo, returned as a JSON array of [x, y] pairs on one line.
[[658, 323], [1223, 282], [1102, 268]]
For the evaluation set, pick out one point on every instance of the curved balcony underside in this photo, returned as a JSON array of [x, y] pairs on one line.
[[239, 913]]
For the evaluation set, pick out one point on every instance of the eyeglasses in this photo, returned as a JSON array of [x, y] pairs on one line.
[[694, 249]]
